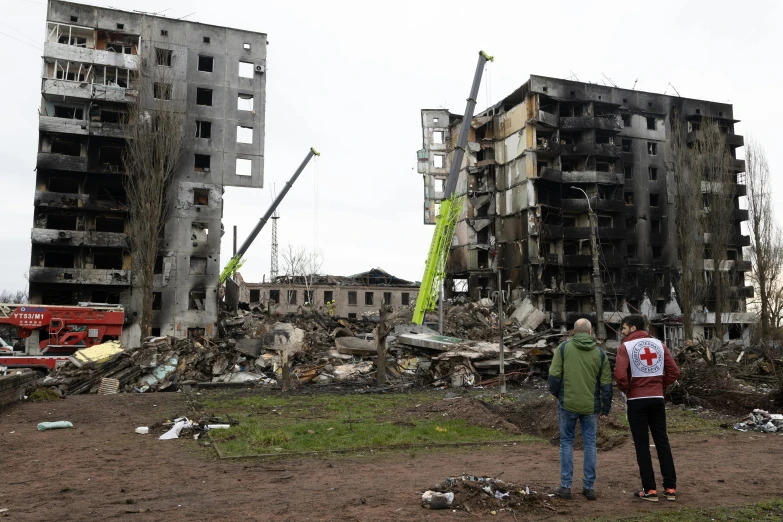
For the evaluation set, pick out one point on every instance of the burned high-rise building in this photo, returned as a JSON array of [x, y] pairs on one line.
[[528, 160], [92, 60]]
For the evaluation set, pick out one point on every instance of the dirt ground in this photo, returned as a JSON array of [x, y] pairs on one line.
[[102, 470]]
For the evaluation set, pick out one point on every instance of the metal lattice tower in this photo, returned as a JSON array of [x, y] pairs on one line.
[[273, 264]]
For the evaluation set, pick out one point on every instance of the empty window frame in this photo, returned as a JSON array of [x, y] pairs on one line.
[[119, 47], [161, 91], [274, 296], [405, 298], [244, 134], [205, 63], [246, 46], [653, 173], [387, 298], [628, 196], [112, 261], [196, 300], [164, 32], [437, 137], [74, 113], [438, 184], [655, 226], [109, 155], [201, 162], [352, 298], [200, 196], [438, 161], [626, 145], [59, 260], [206, 39], [650, 123], [163, 56], [204, 129], [652, 148], [110, 224], [111, 116], [157, 300], [657, 252], [244, 167], [328, 296], [292, 297], [628, 171], [352, 316], [204, 97], [68, 148], [255, 296], [244, 102], [198, 266], [246, 69], [120, 26], [368, 298], [199, 231], [654, 200], [61, 222], [63, 185], [626, 120]]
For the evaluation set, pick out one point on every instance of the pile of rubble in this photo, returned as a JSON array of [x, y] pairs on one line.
[[762, 421]]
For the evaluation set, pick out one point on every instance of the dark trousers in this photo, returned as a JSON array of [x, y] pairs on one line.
[[644, 414]]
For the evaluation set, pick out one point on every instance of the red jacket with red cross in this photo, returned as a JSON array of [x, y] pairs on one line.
[[644, 366]]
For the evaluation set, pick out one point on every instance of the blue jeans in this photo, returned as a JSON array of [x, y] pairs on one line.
[[589, 424]]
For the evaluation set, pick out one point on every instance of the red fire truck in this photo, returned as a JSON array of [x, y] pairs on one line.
[[62, 331]]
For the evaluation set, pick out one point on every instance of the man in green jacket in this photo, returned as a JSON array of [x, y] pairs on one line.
[[581, 380]]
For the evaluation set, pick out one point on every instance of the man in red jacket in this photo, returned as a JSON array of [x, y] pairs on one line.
[[643, 369]]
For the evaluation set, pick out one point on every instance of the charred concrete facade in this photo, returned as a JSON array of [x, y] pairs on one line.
[[91, 62], [526, 159]]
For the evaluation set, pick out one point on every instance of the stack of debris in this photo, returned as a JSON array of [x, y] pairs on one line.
[[762, 421], [485, 496]]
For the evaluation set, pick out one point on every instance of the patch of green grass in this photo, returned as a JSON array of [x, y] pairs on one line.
[[771, 510], [44, 394], [678, 420], [269, 424]]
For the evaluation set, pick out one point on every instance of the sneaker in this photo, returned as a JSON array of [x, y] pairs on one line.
[[650, 495], [670, 493], [589, 493], [562, 492]]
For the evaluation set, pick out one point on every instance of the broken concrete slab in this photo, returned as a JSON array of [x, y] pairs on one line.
[[528, 316], [350, 371], [249, 347], [431, 341], [342, 331], [284, 337], [473, 351], [355, 346]]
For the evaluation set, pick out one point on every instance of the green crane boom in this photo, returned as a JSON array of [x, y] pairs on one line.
[[450, 210], [236, 262]]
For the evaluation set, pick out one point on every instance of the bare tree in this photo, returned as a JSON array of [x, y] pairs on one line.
[[155, 133], [687, 198], [8, 296], [766, 245], [301, 266], [711, 163]]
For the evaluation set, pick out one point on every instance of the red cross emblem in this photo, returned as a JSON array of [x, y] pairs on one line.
[[648, 356]]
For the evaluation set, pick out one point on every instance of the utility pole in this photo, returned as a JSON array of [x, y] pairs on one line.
[[235, 241], [502, 376], [440, 310], [597, 283], [273, 264]]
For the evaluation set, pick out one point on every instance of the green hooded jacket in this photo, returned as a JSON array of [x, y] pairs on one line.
[[583, 383]]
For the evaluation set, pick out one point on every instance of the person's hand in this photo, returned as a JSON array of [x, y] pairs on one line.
[[603, 417]]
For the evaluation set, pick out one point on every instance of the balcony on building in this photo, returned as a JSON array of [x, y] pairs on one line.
[[79, 276], [79, 238]]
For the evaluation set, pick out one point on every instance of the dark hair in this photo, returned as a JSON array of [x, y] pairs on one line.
[[634, 320]]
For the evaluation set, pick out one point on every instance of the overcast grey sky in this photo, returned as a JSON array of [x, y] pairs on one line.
[[349, 78]]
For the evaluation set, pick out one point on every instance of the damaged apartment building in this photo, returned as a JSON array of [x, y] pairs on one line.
[[527, 158], [92, 60]]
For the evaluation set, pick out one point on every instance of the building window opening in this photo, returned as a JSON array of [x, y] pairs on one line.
[[246, 70], [387, 298], [437, 161], [200, 196], [196, 300], [111, 156], [105, 297], [163, 57], [653, 200], [246, 46], [204, 129], [115, 47], [653, 173], [206, 39], [205, 63], [73, 113], [292, 297], [660, 306], [161, 91], [328, 296], [628, 171], [368, 298], [110, 224], [244, 167], [352, 316], [255, 296], [201, 162], [244, 102], [107, 261], [74, 19], [352, 298], [111, 116], [655, 226], [61, 222], [405, 299], [274, 296], [626, 145], [199, 231], [157, 300], [158, 268], [628, 196], [204, 97], [70, 186], [650, 123], [58, 260], [652, 148], [731, 255], [67, 148], [244, 134], [626, 120], [437, 137], [195, 333], [198, 266], [164, 32], [657, 252]]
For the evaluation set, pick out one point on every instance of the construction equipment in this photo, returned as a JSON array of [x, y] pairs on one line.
[[236, 262], [64, 329], [450, 210]]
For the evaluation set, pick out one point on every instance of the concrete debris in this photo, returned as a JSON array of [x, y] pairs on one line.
[[761, 421]]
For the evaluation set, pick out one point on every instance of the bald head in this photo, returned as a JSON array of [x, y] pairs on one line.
[[583, 326]]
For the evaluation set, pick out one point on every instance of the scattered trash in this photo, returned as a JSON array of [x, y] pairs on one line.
[[435, 500], [761, 421], [142, 430], [175, 430], [484, 494], [56, 425]]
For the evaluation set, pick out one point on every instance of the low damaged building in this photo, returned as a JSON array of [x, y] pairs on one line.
[[528, 160], [352, 296]]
